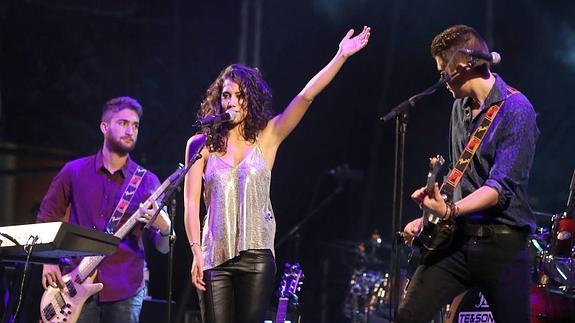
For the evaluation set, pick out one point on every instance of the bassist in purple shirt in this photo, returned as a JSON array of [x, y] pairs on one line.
[[90, 189]]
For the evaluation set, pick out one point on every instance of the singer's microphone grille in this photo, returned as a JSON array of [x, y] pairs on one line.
[[495, 58], [232, 114]]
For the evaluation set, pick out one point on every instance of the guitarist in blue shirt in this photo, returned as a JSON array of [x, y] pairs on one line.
[[488, 207]]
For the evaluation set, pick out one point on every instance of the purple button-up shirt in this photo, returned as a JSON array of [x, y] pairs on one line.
[[92, 193]]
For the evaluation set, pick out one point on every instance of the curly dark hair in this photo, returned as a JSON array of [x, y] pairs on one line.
[[256, 92], [448, 42]]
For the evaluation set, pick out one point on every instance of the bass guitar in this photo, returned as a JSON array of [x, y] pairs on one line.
[[64, 305]]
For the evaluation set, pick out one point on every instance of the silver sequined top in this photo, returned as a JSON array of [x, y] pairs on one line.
[[239, 211]]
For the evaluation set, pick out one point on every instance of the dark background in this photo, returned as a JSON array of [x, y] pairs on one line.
[[60, 60]]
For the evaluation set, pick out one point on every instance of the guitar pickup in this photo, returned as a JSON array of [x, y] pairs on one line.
[[71, 288]]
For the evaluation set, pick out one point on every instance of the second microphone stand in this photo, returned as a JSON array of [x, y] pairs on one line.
[[174, 183], [400, 114]]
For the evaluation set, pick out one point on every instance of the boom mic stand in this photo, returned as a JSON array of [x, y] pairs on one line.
[[400, 113], [173, 185]]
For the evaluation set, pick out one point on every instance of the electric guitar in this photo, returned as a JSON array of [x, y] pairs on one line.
[[435, 233], [290, 285], [64, 305]]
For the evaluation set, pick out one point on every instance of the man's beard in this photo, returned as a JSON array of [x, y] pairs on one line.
[[119, 147]]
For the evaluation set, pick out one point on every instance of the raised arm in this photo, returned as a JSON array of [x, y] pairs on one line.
[[192, 194], [283, 124]]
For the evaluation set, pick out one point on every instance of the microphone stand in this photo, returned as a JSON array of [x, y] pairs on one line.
[[172, 242], [400, 113], [174, 183]]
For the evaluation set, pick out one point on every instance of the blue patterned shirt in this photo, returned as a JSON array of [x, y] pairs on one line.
[[503, 161]]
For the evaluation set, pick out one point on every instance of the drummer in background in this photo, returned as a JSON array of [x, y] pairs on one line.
[[490, 208]]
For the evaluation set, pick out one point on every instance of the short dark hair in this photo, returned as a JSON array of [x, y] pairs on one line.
[[445, 44], [120, 103]]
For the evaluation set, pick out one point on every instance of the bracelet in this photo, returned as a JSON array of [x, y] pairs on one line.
[[453, 210], [194, 244], [450, 210]]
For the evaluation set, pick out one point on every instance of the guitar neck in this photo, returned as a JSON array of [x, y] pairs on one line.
[[282, 310], [435, 164], [89, 264]]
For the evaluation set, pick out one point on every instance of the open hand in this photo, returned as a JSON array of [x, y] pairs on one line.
[[349, 46]]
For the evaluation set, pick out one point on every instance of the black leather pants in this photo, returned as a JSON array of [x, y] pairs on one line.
[[239, 290]]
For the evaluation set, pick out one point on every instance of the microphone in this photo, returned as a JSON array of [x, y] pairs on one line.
[[492, 57], [229, 115], [344, 173]]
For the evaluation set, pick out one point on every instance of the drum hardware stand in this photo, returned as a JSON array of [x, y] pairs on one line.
[[569, 212], [571, 189]]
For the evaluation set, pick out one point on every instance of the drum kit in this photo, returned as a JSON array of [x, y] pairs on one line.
[[557, 260], [552, 293], [368, 297]]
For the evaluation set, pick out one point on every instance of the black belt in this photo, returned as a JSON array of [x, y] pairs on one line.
[[487, 230]]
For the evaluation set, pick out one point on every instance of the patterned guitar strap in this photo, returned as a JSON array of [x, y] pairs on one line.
[[124, 202], [466, 157]]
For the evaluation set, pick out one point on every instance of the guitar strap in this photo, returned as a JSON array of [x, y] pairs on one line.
[[125, 200], [466, 157]]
